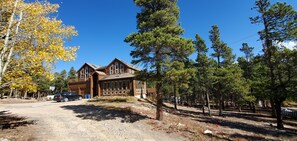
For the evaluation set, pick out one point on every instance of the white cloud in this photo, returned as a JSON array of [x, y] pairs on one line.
[[290, 45]]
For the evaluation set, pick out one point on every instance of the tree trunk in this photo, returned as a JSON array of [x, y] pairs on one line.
[[159, 113], [263, 103], [175, 97], [16, 94], [4, 50], [188, 100], [38, 95], [239, 107], [203, 102], [10, 94], [254, 107], [25, 95], [273, 110], [207, 100], [279, 117], [220, 103], [223, 103]]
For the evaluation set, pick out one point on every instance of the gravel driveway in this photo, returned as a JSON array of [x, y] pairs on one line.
[[67, 121]]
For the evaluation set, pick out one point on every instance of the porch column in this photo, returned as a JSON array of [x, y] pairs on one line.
[[99, 89], [79, 91], [134, 87], [91, 86]]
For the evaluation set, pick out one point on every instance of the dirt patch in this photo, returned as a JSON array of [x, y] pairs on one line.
[[191, 123], [172, 124], [127, 118], [15, 128], [101, 113], [17, 101], [76, 120]]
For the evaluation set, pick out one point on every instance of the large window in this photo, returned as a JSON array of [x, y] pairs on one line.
[[116, 67], [82, 74], [121, 68], [86, 72], [111, 69]]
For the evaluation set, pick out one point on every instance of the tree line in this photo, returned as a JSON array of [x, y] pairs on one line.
[[218, 78], [43, 84]]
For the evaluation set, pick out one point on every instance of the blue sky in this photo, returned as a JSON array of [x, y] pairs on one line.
[[102, 26]]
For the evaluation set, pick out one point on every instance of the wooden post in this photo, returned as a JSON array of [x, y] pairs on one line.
[[99, 88], [134, 87], [91, 86]]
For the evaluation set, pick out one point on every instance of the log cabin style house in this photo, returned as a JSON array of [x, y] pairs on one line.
[[115, 79]]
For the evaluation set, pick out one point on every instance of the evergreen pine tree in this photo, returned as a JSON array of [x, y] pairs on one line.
[[72, 73], [279, 21], [204, 64], [158, 38]]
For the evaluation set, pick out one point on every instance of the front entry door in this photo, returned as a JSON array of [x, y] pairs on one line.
[[95, 84]]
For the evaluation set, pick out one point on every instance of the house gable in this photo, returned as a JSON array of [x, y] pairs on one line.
[[117, 66], [117, 78], [85, 70]]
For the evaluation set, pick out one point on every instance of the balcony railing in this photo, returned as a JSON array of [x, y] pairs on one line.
[[116, 92], [77, 80]]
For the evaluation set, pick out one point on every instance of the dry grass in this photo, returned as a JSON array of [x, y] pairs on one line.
[[290, 103], [171, 123], [17, 101], [191, 123], [112, 99]]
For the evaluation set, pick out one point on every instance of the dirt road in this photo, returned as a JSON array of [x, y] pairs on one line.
[[74, 121]]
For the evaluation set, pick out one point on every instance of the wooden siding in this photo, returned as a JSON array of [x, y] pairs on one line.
[[107, 69], [80, 88], [82, 70], [107, 83]]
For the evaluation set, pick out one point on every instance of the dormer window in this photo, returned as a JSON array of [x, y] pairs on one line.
[[111, 69], [121, 68], [86, 72], [82, 73], [116, 67]]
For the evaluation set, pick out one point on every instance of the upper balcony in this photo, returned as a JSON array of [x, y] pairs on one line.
[[77, 80]]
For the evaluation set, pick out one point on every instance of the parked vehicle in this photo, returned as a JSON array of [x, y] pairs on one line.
[[289, 112], [50, 97], [67, 96]]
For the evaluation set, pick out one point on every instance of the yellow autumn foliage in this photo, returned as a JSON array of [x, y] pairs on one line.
[[39, 44]]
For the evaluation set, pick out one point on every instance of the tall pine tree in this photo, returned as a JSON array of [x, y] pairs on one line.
[[246, 65], [223, 55], [280, 24], [203, 65], [72, 73], [158, 38]]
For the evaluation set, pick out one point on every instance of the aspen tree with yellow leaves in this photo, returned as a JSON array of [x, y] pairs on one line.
[[32, 40]]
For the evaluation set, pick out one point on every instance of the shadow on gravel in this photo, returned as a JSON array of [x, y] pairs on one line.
[[260, 129], [249, 128], [10, 121], [101, 113]]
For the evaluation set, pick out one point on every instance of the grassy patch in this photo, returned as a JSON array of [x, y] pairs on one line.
[[290, 103], [113, 99]]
